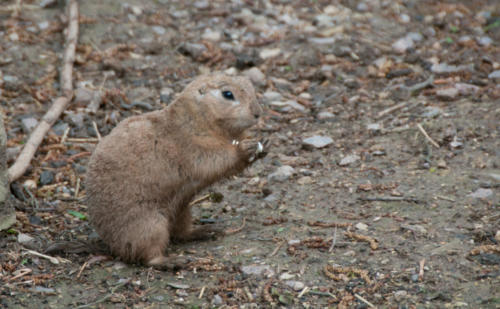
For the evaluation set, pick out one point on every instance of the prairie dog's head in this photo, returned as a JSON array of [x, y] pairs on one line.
[[228, 101]]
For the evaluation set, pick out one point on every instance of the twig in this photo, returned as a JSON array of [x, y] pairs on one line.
[[52, 259], [277, 248], [421, 271], [427, 136], [21, 273], [96, 131], [304, 291], [234, 231], [319, 293], [35, 139], [113, 290], [364, 300], [200, 199], [81, 269], [334, 241], [201, 292], [422, 85], [389, 199], [392, 109]]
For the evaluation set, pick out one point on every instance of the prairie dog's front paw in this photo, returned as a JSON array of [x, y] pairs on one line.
[[252, 149]]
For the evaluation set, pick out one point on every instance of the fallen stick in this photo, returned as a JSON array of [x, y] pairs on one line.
[[389, 199], [36, 138], [421, 270], [364, 300], [419, 126]]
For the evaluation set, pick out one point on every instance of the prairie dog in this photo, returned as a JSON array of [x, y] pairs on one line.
[[142, 176]]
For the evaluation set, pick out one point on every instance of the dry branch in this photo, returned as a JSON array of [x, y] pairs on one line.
[[35, 139]]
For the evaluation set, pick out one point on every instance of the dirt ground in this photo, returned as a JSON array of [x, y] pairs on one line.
[[394, 205]]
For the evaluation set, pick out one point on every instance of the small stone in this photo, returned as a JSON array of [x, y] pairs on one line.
[[14, 37], [325, 115], [271, 96], [305, 180], [448, 93], [136, 10], [361, 226], [374, 127], [466, 89], [60, 128], [28, 124], [159, 30], [432, 112], [286, 276], [403, 44], [84, 95], [481, 193], [414, 277], [317, 141], [46, 178], [25, 239], [166, 94], [194, 50], [258, 270], [295, 285], [446, 68], [293, 242], [415, 228], [269, 53], [217, 300], [347, 160], [256, 76], [12, 152], [41, 289], [282, 173], [456, 143], [176, 285], [119, 265], [211, 35], [485, 41], [400, 295], [442, 164], [494, 75], [293, 104], [322, 41], [43, 25], [497, 236]]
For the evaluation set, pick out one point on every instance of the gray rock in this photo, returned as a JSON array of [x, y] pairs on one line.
[[258, 270], [166, 94], [83, 95], [374, 127], [12, 152], [282, 173], [317, 141], [432, 112], [494, 74], [481, 193], [43, 25], [484, 41], [347, 160], [159, 30], [46, 178], [194, 50], [25, 239], [76, 119], [217, 300], [466, 89], [400, 295], [41, 289], [60, 128], [296, 285], [256, 76], [325, 115], [270, 96], [446, 68], [211, 35], [269, 53], [48, 3], [28, 124], [322, 41], [448, 93], [403, 44]]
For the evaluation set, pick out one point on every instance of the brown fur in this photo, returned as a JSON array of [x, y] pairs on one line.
[[142, 176]]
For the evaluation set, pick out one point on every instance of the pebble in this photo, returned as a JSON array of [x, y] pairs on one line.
[[76, 119], [296, 285], [322, 41], [431, 112], [494, 75], [448, 93], [403, 44], [41, 289], [414, 277], [282, 173], [25, 239], [258, 270], [166, 94], [211, 35], [60, 128], [43, 25], [272, 96], [325, 115], [286, 276], [194, 50], [48, 3], [269, 53], [29, 123], [46, 178], [399, 295], [293, 242], [484, 41], [256, 76], [347, 160], [317, 141], [446, 68], [374, 127], [217, 300], [83, 95], [304, 180], [361, 226], [481, 193]]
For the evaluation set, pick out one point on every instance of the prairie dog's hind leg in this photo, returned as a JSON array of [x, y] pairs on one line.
[[183, 229]]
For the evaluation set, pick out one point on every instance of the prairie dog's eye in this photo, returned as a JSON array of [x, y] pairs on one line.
[[228, 95]]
